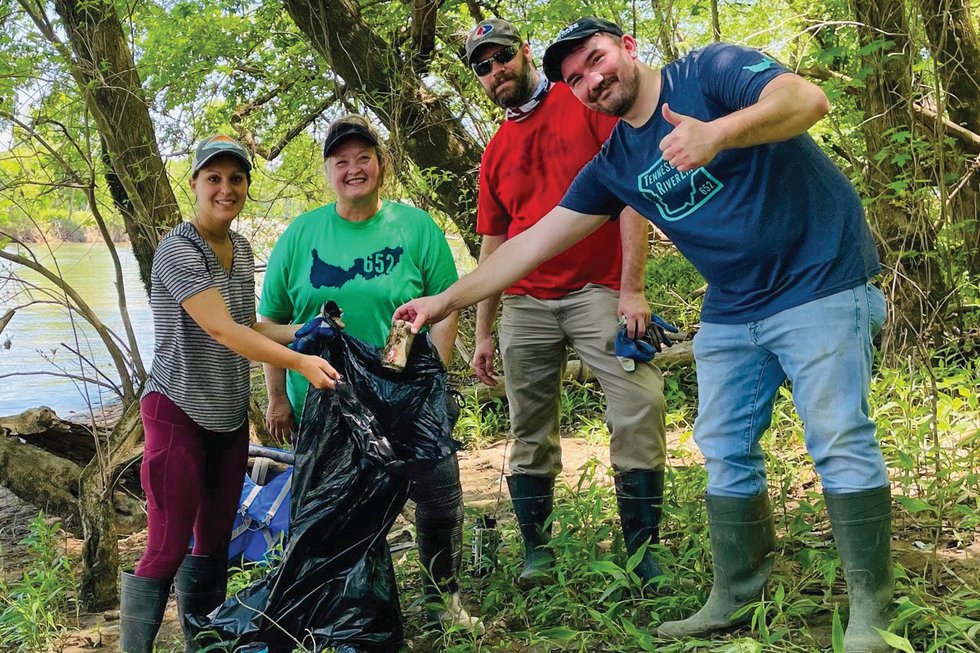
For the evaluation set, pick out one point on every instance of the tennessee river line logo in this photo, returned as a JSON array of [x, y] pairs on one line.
[[677, 194]]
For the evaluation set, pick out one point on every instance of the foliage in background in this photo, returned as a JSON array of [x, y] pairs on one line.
[[674, 288]]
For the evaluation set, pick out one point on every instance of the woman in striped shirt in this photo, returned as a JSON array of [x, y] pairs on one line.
[[195, 403]]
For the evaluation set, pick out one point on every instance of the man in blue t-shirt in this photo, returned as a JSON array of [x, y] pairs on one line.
[[712, 149]]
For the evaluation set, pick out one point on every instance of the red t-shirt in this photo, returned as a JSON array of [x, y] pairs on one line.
[[526, 169]]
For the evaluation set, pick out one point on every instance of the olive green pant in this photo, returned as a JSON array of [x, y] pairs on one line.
[[534, 334]]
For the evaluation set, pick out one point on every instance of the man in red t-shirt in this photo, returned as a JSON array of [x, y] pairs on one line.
[[575, 299]]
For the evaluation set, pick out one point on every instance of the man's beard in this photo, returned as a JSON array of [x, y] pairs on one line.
[[521, 89], [619, 103]]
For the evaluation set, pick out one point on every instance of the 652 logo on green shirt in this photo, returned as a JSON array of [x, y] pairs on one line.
[[379, 263]]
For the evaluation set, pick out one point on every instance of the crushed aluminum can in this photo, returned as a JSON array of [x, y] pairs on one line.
[[399, 343], [485, 546]]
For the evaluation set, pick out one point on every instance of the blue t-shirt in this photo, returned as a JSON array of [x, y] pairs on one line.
[[770, 226]]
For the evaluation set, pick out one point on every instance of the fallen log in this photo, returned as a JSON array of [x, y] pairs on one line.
[[51, 483], [680, 355], [43, 428]]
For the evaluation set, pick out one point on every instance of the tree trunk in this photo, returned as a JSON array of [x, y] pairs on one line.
[[897, 214], [667, 36], [424, 14], [417, 119], [106, 74], [954, 43], [258, 432], [955, 47], [100, 552], [99, 59]]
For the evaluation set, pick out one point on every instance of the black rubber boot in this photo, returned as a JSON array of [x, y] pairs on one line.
[[533, 499], [862, 531], [141, 605], [441, 555], [742, 543], [200, 583], [640, 495]]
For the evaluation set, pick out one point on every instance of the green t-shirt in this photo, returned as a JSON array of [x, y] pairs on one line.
[[369, 268]]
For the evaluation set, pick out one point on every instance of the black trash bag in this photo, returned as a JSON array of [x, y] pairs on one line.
[[356, 448]]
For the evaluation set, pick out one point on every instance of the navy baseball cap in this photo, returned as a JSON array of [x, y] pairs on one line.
[[569, 37], [341, 130]]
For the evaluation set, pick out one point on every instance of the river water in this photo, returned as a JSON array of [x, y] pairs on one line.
[[34, 358], [35, 339]]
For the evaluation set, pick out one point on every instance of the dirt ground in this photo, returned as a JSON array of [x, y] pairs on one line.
[[481, 480]]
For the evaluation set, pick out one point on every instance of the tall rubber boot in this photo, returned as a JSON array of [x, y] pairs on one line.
[[533, 499], [441, 555], [141, 605], [742, 543], [862, 530], [201, 582], [640, 495]]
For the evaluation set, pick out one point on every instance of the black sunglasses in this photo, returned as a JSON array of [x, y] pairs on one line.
[[501, 56]]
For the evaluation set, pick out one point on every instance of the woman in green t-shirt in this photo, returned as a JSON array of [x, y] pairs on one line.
[[370, 255]]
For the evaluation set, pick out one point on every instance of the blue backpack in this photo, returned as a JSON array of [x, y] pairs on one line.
[[263, 513]]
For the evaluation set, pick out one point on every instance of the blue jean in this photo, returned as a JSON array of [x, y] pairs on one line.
[[824, 348]]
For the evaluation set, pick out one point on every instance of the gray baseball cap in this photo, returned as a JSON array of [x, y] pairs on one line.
[[492, 30], [569, 38], [219, 144]]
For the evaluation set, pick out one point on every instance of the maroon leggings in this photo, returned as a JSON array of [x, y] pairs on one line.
[[193, 481]]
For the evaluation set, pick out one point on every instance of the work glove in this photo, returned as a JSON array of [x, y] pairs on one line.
[[630, 351], [323, 326], [657, 332]]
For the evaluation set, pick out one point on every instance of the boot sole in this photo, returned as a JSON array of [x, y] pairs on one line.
[[704, 632]]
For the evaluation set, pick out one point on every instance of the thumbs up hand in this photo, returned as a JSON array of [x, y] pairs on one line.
[[691, 143]]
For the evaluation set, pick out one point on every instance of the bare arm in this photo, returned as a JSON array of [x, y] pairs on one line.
[[208, 309], [279, 418], [284, 334], [554, 233], [787, 107], [634, 231], [486, 312], [444, 337]]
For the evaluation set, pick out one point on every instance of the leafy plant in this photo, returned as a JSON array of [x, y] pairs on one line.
[[479, 425], [38, 608]]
